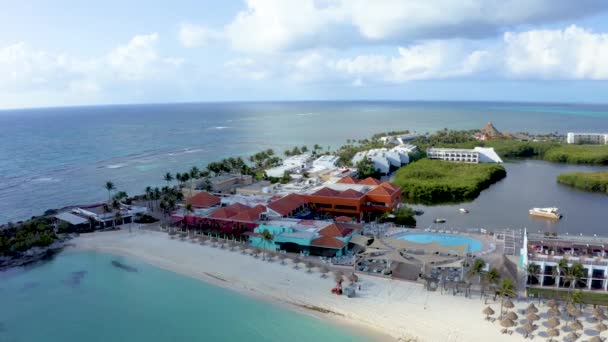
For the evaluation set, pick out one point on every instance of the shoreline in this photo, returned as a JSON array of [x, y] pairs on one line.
[[384, 310], [335, 318]]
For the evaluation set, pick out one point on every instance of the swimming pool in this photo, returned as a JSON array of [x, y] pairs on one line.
[[446, 240]]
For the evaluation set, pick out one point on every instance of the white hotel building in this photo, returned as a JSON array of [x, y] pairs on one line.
[[587, 138], [474, 156]]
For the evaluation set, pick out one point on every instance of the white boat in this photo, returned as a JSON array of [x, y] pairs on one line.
[[440, 220], [552, 212], [464, 211]]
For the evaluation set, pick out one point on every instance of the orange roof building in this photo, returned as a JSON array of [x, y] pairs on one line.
[[204, 200]]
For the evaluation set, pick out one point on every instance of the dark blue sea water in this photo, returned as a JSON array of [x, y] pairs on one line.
[[62, 156]]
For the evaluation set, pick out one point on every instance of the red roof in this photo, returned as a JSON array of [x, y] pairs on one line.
[[247, 216], [370, 181], [347, 180], [326, 192], [223, 213], [328, 242], [381, 191], [285, 205], [336, 230], [203, 200], [389, 186], [343, 219], [350, 193]]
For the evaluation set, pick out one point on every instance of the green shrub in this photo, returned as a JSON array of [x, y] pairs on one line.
[[588, 181]]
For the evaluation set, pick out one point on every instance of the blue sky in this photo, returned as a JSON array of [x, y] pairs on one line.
[[77, 53]]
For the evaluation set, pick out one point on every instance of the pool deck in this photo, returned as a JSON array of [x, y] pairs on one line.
[[488, 241]]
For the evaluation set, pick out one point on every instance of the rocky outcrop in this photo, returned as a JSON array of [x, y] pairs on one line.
[[32, 255]]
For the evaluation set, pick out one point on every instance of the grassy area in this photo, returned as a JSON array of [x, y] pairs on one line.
[[598, 298], [433, 181], [578, 154], [588, 181]]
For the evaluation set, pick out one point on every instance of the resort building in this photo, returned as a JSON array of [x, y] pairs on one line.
[[227, 183], [101, 213], [204, 200], [541, 255], [324, 164], [233, 219], [352, 197], [474, 156], [399, 139], [386, 159], [587, 138], [324, 238], [293, 164]]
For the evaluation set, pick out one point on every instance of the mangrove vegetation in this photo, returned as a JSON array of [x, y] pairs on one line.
[[588, 181]]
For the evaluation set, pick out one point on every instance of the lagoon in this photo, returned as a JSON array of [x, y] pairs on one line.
[[80, 296]]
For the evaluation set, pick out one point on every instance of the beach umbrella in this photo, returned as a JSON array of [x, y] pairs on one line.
[[554, 312], [595, 339], [309, 266], [575, 312], [528, 327], [597, 311], [576, 325], [552, 303], [488, 312], [508, 304], [296, 261], [507, 323], [600, 317], [572, 336], [553, 322], [512, 315], [324, 270], [601, 327], [353, 278], [531, 308], [552, 333], [339, 276], [532, 317]]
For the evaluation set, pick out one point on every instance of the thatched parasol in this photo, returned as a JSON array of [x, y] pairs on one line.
[[532, 317], [552, 303], [600, 317], [554, 312], [309, 266], [324, 270], [339, 276], [601, 327], [595, 339], [353, 278], [511, 315], [528, 327], [531, 308], [488, 312], [552, 333], [597, 311], [553, 322], [574, 312], [508, 304], [576, 325], [296, 262], [573, 336], [507, 323]]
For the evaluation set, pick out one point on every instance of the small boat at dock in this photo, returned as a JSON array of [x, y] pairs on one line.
[[464, 211], [552, 213], [440, 220]]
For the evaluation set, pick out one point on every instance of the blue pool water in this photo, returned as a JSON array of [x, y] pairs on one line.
[[446, 240]]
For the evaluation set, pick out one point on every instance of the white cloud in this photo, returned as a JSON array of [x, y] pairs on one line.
[[248, 69], [277, 25], [573, 53], [28, 72], [191, 35]]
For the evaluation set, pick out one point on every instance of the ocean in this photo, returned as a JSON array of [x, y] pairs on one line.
[[80, 296], [55, 157]]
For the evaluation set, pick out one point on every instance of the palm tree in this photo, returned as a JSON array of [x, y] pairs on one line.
[[492, 277], [110, 187], [266, 238], [533, 270], [560, 270], [477, 269], [168, 178], [118, 217], [506, 288]]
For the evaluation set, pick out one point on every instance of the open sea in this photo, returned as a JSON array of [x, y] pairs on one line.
[[55, 157], [80, 296]]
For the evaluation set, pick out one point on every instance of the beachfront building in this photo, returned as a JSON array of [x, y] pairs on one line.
[[105, 216], [399, 139], [355, 198], [293, 164], [233, 219], [386, 159], [324, 238], [545, 252], [473, 156], [323, 165], [204, 199], [587, 138]]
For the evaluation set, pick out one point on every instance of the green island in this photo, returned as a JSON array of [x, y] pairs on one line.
[[588, 181], [433, 181]]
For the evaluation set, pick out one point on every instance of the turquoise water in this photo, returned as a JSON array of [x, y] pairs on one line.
[[82, 297], [446, 240], [64, 156]]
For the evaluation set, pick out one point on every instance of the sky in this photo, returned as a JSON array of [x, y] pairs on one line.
[[72, 52]]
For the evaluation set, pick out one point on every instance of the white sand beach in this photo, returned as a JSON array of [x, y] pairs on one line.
[[403, 310]]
